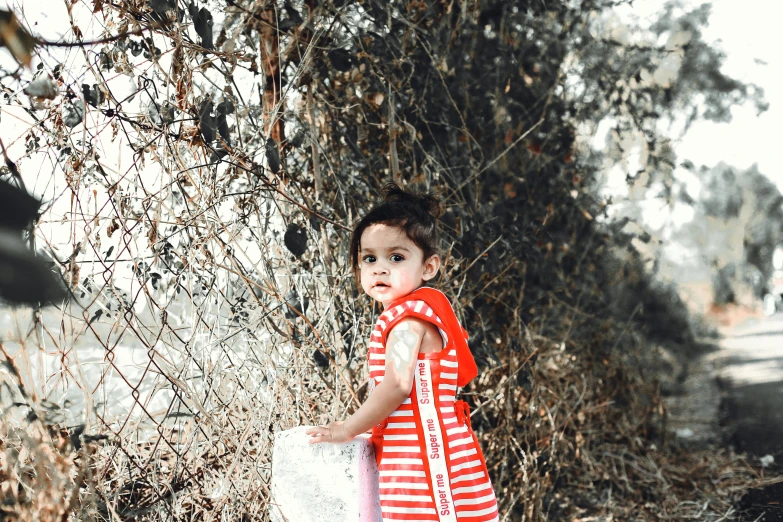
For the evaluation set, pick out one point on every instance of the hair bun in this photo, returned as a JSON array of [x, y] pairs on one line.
[[425, 202]]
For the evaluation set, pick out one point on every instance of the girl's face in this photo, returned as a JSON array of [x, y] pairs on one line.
[[391, 265]]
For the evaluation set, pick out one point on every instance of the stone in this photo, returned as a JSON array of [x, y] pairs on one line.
[[323, 482], [767, 460]]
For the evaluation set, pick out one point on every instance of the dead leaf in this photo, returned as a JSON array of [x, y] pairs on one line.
[[42, 88], [13, 36]]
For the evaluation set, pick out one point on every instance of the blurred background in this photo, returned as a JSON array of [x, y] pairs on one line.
[[719, 233]]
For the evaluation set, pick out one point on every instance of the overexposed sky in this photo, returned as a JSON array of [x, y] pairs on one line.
[[749, 33]]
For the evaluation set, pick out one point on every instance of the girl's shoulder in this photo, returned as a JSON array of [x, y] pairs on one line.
[[413, 306], [415, 309], [425, 300]]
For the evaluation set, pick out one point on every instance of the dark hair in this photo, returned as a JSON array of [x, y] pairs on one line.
[[415, 214]]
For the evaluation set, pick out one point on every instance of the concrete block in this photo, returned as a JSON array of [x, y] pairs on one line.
[[323, 482]]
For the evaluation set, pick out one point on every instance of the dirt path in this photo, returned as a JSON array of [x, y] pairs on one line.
[[750, 374]]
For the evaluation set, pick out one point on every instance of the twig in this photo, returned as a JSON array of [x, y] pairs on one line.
[[50, 43]]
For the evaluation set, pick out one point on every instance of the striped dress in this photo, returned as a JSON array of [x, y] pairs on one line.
[[430, 463]]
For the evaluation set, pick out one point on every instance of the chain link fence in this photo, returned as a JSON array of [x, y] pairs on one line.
[[211, 305], [194, 333]]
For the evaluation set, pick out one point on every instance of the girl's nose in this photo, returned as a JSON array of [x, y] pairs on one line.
[[379, 269]]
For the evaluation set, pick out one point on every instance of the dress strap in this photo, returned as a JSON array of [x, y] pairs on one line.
[[441, 307]]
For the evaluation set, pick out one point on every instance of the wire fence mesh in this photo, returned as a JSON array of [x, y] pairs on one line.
[[187, 343], [192, 336], [208, 310]]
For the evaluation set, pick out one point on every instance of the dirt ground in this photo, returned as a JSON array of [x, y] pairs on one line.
[[749, 372], [734, 396]]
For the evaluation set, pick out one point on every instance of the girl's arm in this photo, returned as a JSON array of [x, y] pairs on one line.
[[402, 349]]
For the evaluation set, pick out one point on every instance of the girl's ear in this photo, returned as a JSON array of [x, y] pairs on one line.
[[431, 267]]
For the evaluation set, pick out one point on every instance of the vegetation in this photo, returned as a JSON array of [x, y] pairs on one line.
[[743, 210], [209, 159]]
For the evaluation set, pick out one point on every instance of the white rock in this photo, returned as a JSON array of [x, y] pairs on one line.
[[316, 483], [767, 460], [685, 433]]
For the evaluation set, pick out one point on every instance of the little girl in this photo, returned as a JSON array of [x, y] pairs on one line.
[[431, 467]]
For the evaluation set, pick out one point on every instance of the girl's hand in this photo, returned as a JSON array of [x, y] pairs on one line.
[[334, 432]]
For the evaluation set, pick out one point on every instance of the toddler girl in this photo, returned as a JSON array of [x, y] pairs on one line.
[[431, 467]]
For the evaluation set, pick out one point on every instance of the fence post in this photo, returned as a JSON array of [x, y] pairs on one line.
[[314, 483]]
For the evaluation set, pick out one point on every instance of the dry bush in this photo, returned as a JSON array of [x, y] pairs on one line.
[[204, 185]]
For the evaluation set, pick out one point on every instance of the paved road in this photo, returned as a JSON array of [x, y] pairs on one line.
[[751, 375]]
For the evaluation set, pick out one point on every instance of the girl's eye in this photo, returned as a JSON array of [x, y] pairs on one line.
[[368, 259], [397, 258]]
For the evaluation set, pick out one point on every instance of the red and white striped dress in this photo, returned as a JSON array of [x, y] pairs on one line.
[[430, 463]]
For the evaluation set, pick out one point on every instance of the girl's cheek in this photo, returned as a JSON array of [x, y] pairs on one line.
[[364, 280], [397, 279]]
